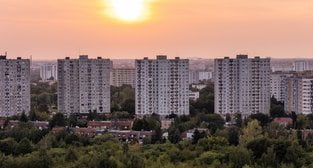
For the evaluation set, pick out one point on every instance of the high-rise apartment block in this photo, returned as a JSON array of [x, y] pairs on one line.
[[299, 94], [84, 85], [162, 86], [14, 86], [49, 72], [300, 66], [242, 85], [278, 85], [123, 76]]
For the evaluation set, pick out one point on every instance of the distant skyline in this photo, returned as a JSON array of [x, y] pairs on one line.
[[186, 28]]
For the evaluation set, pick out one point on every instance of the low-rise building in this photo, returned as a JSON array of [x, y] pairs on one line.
[[41, 124], [284, 121], [129, 135], [165, 124], [112, 125], [194, 95], [306, 133], [90, 132], [188, 135]]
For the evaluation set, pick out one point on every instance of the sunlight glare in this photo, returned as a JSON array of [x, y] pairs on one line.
[[129, 10]]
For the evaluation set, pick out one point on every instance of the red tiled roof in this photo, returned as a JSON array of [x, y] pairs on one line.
[[110, 124], [283, 120], [84, 130], [99, 123]]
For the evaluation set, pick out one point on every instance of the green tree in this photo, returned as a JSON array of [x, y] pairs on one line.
[[238, 120], [23, 117], [209, 157], [146, 124], [251, 132], [239, 156], [258, 146], [262, 118], [71, 155], [43, 160], [157, 137], [174, 136], [233, 135], [129, 106], [133, 161], [24, 146], [302, 122], [268, 159], [7, 146], [197, 135], [277, 108], [58, 120], [205, 103], [72, 121]]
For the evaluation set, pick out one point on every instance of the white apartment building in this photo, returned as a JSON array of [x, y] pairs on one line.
[[242, 85], [162, 86], [278, 85], [84, 85], [49, 72], [300, 66], [196, 76], [14, 86], [123, 76], [299, 95]]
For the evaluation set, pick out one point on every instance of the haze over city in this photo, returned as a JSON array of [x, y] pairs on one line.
[[199, 28]]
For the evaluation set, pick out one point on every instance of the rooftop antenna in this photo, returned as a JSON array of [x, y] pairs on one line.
[[6, 53]]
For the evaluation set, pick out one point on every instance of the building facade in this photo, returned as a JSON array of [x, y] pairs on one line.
[[84, 85], [299, 95], [196, 76], [242, 85], [14, 86], [279, 85], [123, 76], [162, 86], [49, 72], [300, 66]]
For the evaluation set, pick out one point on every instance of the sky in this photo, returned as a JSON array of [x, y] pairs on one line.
[[49, 29]]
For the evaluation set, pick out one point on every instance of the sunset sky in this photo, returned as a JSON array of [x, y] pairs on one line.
[[49, 29]]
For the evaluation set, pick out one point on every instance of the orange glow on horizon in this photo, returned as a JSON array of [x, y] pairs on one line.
[[139, 28]]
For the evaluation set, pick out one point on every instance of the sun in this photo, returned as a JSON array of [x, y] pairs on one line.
[[128, 10]]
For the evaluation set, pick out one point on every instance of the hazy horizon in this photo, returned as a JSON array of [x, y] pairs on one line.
[[207, 29]]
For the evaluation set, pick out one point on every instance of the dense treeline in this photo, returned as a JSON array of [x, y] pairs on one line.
[[43, 101], [233, 147]]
